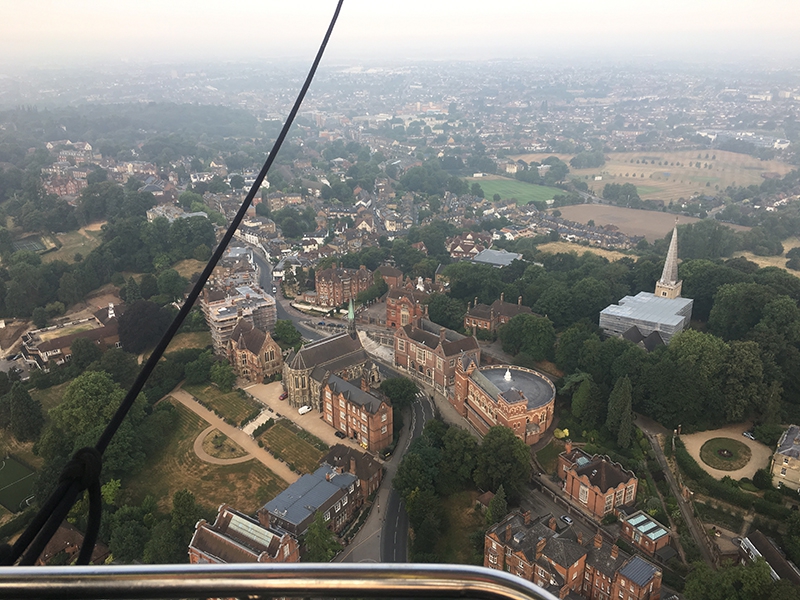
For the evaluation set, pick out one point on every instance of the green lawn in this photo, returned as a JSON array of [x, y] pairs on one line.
[[548, 456], [50, 397], [285, 440], [524, 193], [646, 190], [229, 405], [74, 242], [739, 454], [246, 486]]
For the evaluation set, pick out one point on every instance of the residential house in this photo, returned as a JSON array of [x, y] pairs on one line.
[[361, 464], [756, 545], [600, 486], [785, 466], [643, 532], [393, 277], [467, 245], [483, 317]]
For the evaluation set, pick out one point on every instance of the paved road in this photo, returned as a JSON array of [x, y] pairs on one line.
[[237, 435], [394, 536]]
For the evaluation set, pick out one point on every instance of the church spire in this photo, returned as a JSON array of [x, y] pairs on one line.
[[669, 286], [351, 320]]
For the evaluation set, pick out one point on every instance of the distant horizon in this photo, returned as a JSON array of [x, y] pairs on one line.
[[46, 34]]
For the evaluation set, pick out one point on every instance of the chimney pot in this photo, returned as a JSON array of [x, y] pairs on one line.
[[441, 334], [598, 540], [614, 551], [508, 532], [502, 296], [568, 446], [527, 516], [552, 523], [580, 538], [540, 544]]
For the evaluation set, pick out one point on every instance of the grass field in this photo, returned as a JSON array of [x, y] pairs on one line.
[[247, 485], [740, 454], [548, 456], [72, 242], [192, 339], [189, 267], [282, 441], [652, 224], [509, 189], [50, 397], [567, 247], [218, 445], [230, 405], [16, 484], [668, 181], [774, 261], [461, 521]]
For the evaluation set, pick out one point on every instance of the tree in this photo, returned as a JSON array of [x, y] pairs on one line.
[[586, 402], [619, 420], [477, 190], [286, 334], [120, 365], [142, 325], [39, 317], [84, 353], [25, 414], [237, 182], [321, 544], [531, 334], [222, 375], [445, 311], [199, 371], [148, 286], [171, 284], [132, 291], [498, 507], [401, 391], [504, 459], [460, 453]]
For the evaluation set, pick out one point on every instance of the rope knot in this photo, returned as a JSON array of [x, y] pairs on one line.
[[84, 467]]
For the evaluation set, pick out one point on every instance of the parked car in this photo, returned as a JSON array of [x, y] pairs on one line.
[[274, 290], [340, 435], [283, 396], [749, 435], [566, 519], [321, 323], [304, 409]]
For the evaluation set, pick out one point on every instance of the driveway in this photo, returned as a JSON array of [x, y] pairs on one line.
[[237, 435], [268, 394], [761, 454]]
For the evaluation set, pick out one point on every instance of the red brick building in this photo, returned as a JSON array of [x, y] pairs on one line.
[[514, 397], [643, 532], [357, 413], [429, 352], [393, 277], [236, 538], [253, 353], [336, 286], [403, 306], [600, 485], [491, 317], [553, 557], [348, 460]]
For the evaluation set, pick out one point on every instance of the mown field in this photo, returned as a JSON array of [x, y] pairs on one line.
[[567, 247], [283, 441], [509, 189], [651, 224], [230, 405], [247, 485], [669, 181], [81, 242]]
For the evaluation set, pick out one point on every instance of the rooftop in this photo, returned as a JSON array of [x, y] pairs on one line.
[[789, 444], [305, 496], [515, 385], [496, 258], [639, 571], [649, 308]]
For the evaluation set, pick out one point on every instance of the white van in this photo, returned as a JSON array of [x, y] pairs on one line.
[[304, 409]]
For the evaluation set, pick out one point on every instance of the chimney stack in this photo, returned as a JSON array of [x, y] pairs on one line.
[[614, 550], [502, 295], [580, 538], [568, 446], [527, 516], [598, 540], [364, 383], [352, 464], [441, 334], [263, 517], [519, 300], [540, 544], [475, 305], [552, 523], [508, 532]]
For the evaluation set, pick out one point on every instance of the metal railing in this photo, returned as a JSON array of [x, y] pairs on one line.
[[266, 580]]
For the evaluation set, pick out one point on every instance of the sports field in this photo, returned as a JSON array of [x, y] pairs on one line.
[[16, 484], [33, 244], [510, 189], [672, 175]]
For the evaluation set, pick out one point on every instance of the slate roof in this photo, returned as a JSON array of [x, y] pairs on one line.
[[789, 444], [563, 552], [496, 258], [354, 394], [601, 560], [773, 556], [639, 571], [427, 333], [247, 336], [326, 350], [389, 271], [650, 343], [603, 473], [303, 498], [340, 455]]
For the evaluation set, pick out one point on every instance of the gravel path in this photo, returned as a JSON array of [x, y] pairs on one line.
[[760, 453]]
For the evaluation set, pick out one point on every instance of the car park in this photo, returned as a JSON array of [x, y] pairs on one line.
[[749, 435], [566, 519], [340, 435], [304, 409]]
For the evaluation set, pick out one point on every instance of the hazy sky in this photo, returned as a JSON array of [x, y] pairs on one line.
[[48, 32]]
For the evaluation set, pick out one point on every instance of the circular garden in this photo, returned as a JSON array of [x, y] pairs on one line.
[[725, 454]]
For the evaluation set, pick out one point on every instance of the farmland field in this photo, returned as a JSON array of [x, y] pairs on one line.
[[229, 405], [247, 485], [282, 440], [651, 224], [669, 181], [513, 189]]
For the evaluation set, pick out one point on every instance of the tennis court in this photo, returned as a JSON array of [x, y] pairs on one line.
[[34, 244], [16, 484]]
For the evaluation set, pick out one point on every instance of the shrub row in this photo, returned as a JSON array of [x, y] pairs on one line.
[[263, 427]]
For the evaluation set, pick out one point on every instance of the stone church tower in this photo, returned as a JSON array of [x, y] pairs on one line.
[[669, 286]]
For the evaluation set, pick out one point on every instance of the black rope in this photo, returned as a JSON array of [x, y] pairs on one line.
[[79, 474]]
